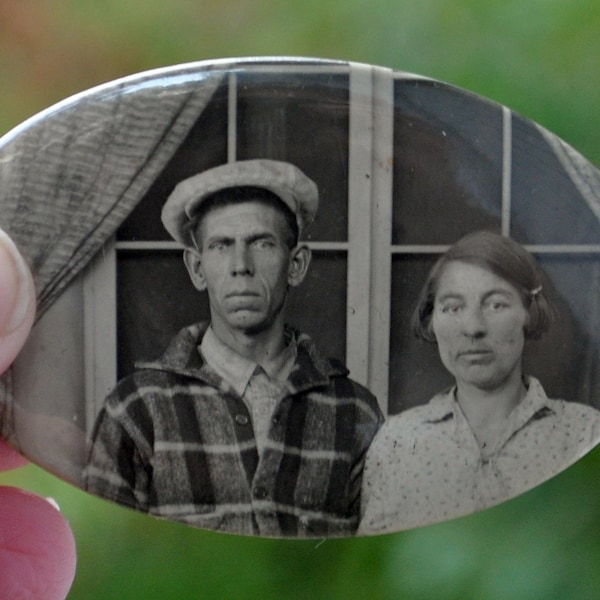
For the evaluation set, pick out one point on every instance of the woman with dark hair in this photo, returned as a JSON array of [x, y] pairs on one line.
[[495, 433]]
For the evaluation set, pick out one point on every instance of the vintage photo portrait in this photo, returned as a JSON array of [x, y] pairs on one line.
[[302, 298]]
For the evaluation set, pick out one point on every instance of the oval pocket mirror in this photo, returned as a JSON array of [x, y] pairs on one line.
[[296, 297]]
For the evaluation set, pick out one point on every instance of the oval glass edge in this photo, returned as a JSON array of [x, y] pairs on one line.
[[148, 75]]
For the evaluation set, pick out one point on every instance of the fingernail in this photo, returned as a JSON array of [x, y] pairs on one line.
[[53, 502], [15, 286]]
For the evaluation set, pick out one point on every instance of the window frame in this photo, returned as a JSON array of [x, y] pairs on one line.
[[369, 246]]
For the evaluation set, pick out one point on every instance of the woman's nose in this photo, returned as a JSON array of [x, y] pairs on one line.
[[473, 323]]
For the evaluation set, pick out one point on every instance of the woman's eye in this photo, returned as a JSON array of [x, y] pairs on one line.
[[450, 309], [497, 302], [496, 306]]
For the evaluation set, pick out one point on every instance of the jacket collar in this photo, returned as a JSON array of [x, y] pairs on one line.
[[311, 368]]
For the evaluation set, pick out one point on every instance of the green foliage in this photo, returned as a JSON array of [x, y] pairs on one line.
[[538, 57], [542, 545]]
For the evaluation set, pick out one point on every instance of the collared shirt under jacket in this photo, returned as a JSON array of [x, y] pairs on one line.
[[175, 440]]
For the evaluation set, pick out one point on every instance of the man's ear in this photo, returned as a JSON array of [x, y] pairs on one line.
[[299, 260], [193, 263]]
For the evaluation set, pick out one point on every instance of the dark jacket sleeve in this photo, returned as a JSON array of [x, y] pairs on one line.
[[115, 468]]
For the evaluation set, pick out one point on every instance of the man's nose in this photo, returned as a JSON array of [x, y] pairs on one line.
[[241, 260]]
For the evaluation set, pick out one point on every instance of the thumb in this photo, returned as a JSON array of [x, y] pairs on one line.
[[37, 548], [17, 301]]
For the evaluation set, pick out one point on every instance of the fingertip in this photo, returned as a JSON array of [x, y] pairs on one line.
[[37, 548]]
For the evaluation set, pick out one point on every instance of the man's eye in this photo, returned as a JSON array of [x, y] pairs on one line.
[[263, 244], [216, 246]]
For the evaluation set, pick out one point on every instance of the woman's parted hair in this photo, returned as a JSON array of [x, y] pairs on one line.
[[505, 258]]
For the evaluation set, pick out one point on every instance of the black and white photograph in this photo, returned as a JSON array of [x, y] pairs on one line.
[[302, 298]]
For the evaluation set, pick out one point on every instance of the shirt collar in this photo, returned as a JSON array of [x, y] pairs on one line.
[[311, 369], [534, 404], [535, 400], [237, 370]]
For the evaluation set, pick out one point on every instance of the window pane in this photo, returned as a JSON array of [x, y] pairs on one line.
[[155, 299], [303, 119], [567, 359], [318, 306], [416, 373], [547, 207], [447, 163]]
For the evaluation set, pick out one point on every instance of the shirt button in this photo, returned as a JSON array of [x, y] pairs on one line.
[[241, 419], [260, 493]]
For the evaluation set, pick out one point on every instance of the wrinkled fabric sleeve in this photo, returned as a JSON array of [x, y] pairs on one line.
[[369, 421], [375, 485], [115, 468]]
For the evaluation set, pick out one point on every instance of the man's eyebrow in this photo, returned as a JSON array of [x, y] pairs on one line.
[[261, 235], [224, 239], [228, 239]]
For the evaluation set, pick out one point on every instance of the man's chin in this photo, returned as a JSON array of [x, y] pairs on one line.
[[249, 322]]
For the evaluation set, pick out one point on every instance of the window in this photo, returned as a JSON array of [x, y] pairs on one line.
[[404, 166]]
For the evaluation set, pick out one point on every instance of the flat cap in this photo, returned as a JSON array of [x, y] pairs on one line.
[[283, 179]]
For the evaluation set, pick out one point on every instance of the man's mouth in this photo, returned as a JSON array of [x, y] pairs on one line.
[[243, 300], [241, 294]]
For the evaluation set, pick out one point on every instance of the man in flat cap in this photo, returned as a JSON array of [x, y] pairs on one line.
[[241, 425]]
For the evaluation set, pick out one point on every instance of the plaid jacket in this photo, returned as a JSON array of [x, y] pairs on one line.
[[175, 440]]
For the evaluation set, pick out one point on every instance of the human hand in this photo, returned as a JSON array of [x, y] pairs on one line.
[[37, 549]]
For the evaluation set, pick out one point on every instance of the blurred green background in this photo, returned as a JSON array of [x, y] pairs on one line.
[[539, 57]]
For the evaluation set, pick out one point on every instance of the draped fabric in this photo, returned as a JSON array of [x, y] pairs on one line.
[[69, 177]]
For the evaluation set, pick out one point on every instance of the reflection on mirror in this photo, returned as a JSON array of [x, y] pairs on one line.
[[302, 298]]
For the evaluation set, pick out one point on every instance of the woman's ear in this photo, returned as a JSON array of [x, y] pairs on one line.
[[299, 260], [193, 263]]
